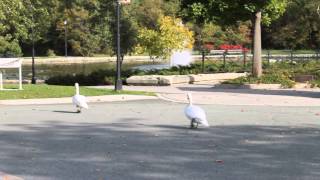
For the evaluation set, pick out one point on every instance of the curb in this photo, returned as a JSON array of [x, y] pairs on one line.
[[68, 100], [168, 99]]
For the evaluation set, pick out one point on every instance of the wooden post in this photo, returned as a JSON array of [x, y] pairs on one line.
[[20, 78], [244, 59]]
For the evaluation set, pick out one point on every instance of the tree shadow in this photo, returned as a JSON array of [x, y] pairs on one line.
[[282, 92], [55, 150]]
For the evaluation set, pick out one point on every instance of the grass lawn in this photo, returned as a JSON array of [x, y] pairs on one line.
[[51, 91], [287, 52]]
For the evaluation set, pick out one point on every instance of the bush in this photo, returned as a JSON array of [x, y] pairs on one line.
[[50, 53], [264, 79], [100, 77], [9, 48]]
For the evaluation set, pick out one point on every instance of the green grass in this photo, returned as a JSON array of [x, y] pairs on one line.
[[287, 52], [51, 91]]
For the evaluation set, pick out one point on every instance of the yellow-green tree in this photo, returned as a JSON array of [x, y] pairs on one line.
[[169, 35]]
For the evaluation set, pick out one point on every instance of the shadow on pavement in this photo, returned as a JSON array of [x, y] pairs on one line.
[[284, 92], [71, 112], [56, 150]]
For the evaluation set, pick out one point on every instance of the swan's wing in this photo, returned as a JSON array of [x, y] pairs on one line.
[[197, 113], [80, 101], [194, 112]]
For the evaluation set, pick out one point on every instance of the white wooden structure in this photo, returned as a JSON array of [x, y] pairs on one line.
[[124, 1], [11, 63]]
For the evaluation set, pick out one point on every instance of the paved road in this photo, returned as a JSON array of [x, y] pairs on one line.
[[144, 140], [211, 93]]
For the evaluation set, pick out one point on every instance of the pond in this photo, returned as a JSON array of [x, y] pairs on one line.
[[44, 71]]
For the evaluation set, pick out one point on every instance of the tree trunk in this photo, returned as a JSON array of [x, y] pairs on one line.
[[257, 61]]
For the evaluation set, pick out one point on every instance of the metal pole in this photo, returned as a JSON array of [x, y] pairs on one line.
[[33, 78], [118, 81], [224, 60], [203, 56], [65, 39], [268, 56], [244, 59]]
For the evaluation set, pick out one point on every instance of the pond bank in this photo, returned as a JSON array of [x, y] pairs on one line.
[[81, 60]]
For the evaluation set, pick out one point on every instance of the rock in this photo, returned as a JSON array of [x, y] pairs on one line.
[[143, 80], [160, 80], [303, 78], [181, 79]]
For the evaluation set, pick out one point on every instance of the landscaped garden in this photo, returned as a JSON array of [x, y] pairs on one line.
[[281, 72]]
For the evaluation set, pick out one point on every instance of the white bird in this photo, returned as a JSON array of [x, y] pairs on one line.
[[195, 113], [78, 100]]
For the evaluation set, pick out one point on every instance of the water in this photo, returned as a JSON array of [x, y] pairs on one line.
[[44, 71], [152, 66]]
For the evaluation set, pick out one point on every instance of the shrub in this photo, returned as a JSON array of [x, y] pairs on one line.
[[275, 78], [50, 53]]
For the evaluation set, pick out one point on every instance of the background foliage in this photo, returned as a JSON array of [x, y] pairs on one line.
[[91, 25]]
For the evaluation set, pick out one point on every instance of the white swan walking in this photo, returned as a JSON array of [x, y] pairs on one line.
[[78, 100], [195, 113]]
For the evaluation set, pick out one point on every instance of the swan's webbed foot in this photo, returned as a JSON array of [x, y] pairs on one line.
[[194, 124], [78, 109]]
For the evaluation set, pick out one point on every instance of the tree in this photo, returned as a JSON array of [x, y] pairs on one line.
[[13, 27], [38, 21], [169, 35], [298, 28], [128, 32], [231, 11]]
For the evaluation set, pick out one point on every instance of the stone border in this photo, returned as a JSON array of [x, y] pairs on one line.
[[162, 80], [262, 86]]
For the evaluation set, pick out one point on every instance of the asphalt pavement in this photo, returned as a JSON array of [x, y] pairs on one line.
[[150, 139]]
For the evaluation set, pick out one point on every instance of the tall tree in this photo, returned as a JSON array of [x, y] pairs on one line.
[[298, 28], [230, 11], [170, 35], [38, 21], [13, 27]]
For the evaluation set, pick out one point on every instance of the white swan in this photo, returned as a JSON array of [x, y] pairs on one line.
[[195, 113], [78, 100]]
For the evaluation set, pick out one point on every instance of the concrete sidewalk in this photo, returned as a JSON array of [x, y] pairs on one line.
[[208, 94]]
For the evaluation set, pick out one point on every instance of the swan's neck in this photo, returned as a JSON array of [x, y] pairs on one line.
[[77, 89]]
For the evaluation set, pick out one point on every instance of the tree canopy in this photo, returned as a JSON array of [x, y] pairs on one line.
[[231, 11], [91, 24]]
